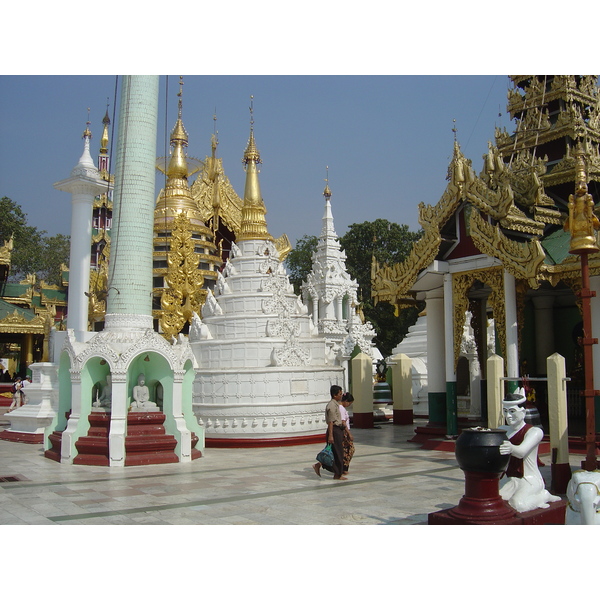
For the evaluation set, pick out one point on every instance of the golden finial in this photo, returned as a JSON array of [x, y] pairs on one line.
[[327, 191], [454, 130], [251, 154], [215, 136], [180, 94], [87, 133], [179, 133]]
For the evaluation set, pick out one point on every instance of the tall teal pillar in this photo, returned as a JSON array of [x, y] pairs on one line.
[[130, 270]]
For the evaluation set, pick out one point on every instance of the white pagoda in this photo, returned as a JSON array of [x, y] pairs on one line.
[[263, 373], [330, 295]]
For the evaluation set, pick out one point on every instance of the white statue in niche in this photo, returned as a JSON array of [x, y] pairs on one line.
[[104, 400], [524, 490], [141, 397]]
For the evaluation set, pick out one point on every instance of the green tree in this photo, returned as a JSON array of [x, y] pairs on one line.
[[55, 252], [33, 252], [299, 261], [389, 243]]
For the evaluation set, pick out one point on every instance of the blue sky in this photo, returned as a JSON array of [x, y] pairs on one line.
[[387, 140], [382, 123]]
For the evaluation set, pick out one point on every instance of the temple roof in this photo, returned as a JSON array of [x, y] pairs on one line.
[[511, 211]]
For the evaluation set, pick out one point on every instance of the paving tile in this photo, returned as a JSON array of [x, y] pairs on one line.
[[391, 482]]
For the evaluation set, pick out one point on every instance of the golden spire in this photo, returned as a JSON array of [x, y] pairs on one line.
[[176, 195], [254, 224], [179, 140], [104, 138]]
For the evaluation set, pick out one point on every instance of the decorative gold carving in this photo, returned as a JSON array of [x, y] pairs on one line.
[[582, 222], [16, 322], [461, 284], [521, 259], [184, 295], [99, 288]]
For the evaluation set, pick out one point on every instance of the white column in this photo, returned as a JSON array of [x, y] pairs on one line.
[[84, 184], [118, 420], [512, 341], [315, 315], [436, 380], [449, 328], [79, 261], [544, 331]]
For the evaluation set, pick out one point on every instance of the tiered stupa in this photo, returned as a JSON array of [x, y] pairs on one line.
[[330, 295], [263, 376]]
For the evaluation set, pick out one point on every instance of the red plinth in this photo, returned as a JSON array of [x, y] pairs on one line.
[[482, 503], [363, 420], [402, 417]]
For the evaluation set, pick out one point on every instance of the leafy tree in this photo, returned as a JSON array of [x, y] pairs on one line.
[[389, 243], [299, 260], [33, 252], [55, 252]]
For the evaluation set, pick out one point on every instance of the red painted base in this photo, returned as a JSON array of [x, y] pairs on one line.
[[402, 417], [265, 442], [427, 432], [554, 515], [482, 502], [22, 437], [363, 420]]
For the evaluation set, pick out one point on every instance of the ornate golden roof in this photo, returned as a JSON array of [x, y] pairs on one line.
[[507, 213]]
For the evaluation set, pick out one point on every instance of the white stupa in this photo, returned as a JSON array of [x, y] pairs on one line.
[[263, 373], [330, 295]]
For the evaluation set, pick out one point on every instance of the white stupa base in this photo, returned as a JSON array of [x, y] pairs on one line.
[[263, 406], [28, 422]]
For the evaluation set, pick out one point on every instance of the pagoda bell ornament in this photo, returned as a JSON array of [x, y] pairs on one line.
[[582, 223]]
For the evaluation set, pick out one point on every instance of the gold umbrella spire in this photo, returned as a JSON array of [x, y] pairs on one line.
[[104, 138], [254, 224], [327, 191]]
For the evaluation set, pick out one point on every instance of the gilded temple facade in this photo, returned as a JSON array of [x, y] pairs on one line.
[[497, 245], [28, 311]]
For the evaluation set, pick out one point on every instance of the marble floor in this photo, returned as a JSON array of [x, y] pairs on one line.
[[391, 482]]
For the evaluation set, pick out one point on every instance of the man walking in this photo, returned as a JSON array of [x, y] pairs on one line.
[[335, 433]]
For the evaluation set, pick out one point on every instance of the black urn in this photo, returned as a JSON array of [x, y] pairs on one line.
[[478, 450]]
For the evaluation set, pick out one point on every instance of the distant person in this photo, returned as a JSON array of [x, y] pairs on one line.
[[335, 433], [25, 382], [17, 396], [347, 400]]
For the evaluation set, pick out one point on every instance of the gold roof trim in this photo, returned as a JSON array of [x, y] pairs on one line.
[[203, 191], [17, 323], [522, 259]]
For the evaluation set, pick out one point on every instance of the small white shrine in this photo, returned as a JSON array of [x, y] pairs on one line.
[[330, 295]]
